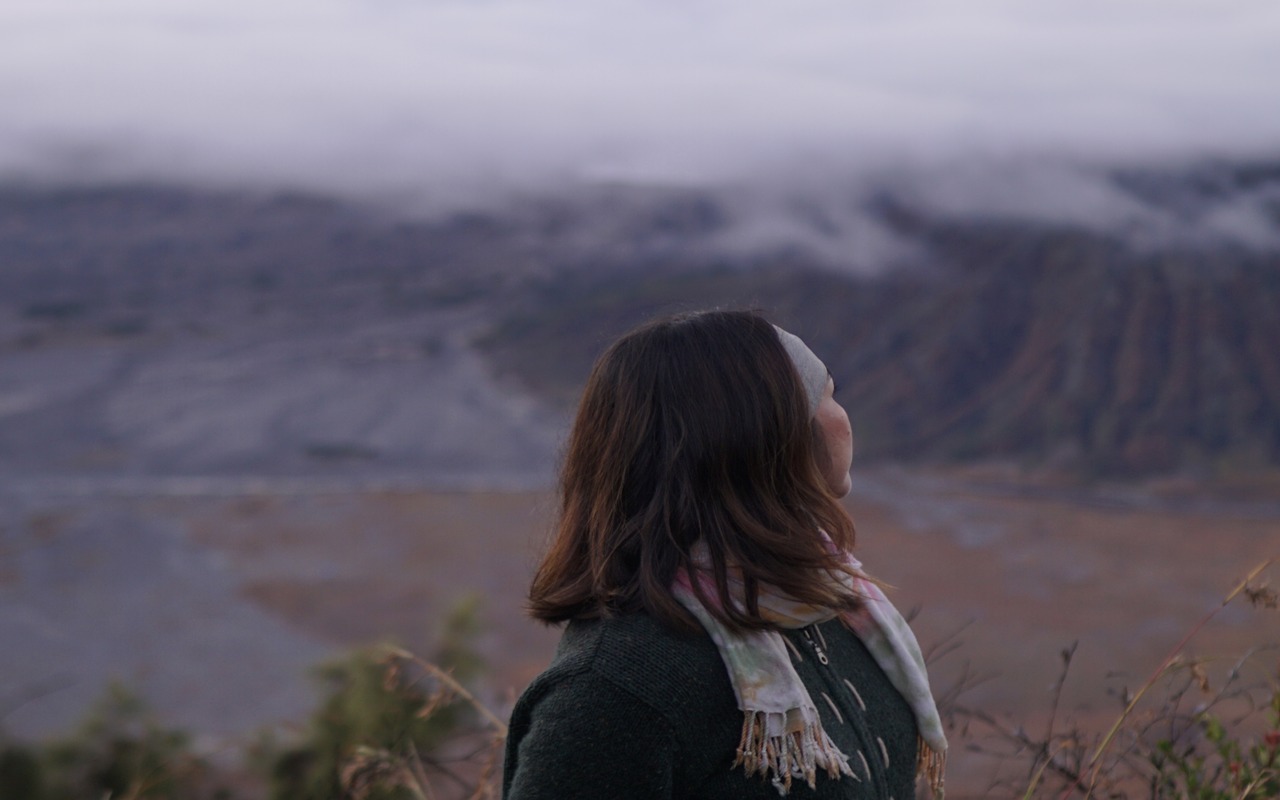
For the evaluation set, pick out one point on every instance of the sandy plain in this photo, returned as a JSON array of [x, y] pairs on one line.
[[215, 604], [1002, 575]]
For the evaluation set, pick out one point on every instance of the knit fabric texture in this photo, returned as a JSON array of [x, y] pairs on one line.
[[631, 709]]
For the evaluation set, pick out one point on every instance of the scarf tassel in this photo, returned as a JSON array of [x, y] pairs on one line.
[[791, 754], [932, 765]]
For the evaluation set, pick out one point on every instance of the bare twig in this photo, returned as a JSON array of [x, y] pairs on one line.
[[1067, 654], [1096, 760], [457, 688]]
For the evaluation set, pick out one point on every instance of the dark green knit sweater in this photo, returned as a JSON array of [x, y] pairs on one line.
[[631, 709]]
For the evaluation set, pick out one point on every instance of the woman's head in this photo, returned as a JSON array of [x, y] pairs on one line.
[[696, 427]]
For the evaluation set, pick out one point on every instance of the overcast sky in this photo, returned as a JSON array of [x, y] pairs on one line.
[[408, 95]]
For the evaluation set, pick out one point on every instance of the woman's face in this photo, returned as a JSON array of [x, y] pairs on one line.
[[837, 437]]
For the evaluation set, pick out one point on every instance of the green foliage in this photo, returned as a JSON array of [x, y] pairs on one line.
[[384, 713], [456, 651], [120, 751], [374, 711], [1220, 765], [1178, 737], [21, 775]]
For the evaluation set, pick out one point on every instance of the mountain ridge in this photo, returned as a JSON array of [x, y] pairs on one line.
[[997, 338]]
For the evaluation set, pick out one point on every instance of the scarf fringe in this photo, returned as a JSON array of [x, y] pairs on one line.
[[932, 766], [782, 736], [781, 757]]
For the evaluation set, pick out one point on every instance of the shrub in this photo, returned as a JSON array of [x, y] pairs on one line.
[[1207, 761], [385, 714], [1177, 737], [119, 751]]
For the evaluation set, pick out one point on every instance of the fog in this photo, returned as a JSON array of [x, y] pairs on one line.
[[450, 100]]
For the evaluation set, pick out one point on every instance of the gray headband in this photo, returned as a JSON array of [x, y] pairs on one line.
[[813, 373]]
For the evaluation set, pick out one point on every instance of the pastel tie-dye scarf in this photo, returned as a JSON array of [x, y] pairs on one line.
[[782, 735]]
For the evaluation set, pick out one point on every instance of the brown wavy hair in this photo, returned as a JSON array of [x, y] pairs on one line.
[[694, 427]]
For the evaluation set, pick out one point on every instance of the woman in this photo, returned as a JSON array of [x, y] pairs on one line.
[[721, 640]]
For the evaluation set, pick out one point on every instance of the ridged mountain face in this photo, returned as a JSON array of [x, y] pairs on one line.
[[1034, 343], [1030, 341], [1065, 345]]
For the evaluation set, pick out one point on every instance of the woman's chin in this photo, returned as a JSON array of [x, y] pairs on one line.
[[842, 487]]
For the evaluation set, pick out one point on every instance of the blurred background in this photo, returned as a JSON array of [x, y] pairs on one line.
[[296, 298]]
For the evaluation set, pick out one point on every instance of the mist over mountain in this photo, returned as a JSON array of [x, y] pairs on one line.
[[158, 330], [444, 102]]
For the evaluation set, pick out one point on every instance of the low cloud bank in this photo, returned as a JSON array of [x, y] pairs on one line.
[[445, 101]]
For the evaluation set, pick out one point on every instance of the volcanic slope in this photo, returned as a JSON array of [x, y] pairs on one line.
[[1006, 340], [997, 338]]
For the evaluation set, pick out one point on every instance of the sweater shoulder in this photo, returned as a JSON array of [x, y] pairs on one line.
[[627, 678], [661, 667]]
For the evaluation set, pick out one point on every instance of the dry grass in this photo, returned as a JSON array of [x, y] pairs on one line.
[[469, 769], [1019, 575], [1176, 730]]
